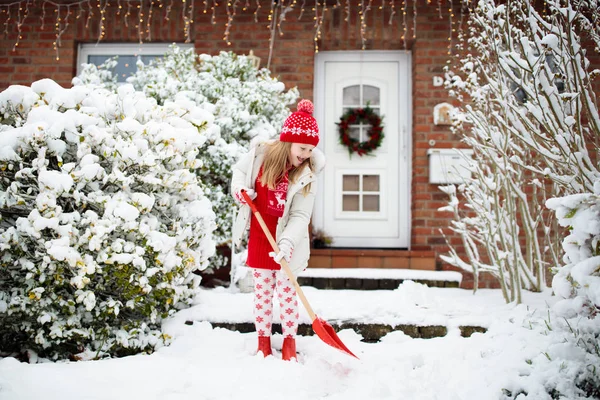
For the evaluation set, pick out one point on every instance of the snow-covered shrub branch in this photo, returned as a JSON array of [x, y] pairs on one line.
[[103, 217], [530, 114], [246, 103], [578, 282]]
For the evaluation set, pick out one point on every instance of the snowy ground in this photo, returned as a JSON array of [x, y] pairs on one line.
[[213, 363]]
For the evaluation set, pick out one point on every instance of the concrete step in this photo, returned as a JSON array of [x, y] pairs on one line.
[[371, 332], [375, 278]]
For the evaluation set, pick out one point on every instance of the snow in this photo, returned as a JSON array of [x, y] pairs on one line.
[[213, 363], [372, 273]]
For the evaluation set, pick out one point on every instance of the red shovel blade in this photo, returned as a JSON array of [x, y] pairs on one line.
[[328, 335]]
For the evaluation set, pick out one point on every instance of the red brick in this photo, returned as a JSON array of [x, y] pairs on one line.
[[344, 262]]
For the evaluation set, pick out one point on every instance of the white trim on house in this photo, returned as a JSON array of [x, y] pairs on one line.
[[404, 145]]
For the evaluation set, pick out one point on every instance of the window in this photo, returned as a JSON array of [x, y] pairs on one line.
[[358, 96], [128, 53], [361, 192]]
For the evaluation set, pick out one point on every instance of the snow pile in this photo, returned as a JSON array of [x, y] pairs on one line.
[[213, 363], [246, 102], [103, 217]]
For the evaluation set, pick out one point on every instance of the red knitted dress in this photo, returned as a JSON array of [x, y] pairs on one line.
[[258, 244]]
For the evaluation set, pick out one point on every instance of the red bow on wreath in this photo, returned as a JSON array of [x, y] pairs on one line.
[[356, 116]]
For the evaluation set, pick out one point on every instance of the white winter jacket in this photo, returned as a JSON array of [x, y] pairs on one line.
[[293, 224]]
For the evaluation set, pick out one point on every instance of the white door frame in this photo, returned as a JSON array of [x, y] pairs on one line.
[[405, 129]]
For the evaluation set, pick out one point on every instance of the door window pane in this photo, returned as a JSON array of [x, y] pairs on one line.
[[361, 193], [350, 202], [371, 183], [351, 95], [371, 203], [350, 183], [354, 133], [371, 95]]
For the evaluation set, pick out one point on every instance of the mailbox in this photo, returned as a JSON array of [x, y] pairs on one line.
[[448, 165]]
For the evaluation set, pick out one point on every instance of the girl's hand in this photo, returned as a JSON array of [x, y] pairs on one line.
[[285, 251], [250, 192]]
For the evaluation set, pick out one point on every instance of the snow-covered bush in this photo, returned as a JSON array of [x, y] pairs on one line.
[[569, 368], [565, 362], [103, 218], [246, 103], [578, 281], [98, 75], [530, 114]]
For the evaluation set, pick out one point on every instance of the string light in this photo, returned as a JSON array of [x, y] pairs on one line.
[[149, 21], [393, 7], [230, 16], [257, 10], [319, 23], [451, 32], [272, 26], [17, 13], [403, 11], [60, 30], [363, 21], [20, 21], [140, 20], [90, 14], [414, 27], [284, 10], [188, 18], [347, 11], [102, 28], [128, 14]]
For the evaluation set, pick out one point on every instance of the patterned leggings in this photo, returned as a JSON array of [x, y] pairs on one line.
[[265, 281]]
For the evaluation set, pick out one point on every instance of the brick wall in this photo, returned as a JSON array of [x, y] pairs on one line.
[[292, 62]]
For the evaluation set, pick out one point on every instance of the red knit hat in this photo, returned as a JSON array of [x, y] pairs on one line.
[[301, 127]]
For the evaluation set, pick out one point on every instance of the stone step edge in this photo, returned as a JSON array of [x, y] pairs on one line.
[[375, 279], [371, 332], [341, 283], [386, 273]]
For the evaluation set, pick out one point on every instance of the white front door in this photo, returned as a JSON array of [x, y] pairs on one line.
[[364, 201]]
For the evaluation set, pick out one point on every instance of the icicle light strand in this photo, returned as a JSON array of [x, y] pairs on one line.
[[451, 32], [414, 27], [393, 12], [404, 26], [16, 14]]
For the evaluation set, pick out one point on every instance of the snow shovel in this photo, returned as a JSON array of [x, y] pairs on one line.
[[320, 326]]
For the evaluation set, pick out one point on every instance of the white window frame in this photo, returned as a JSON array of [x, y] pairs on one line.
[[368, 215], [116, 49]]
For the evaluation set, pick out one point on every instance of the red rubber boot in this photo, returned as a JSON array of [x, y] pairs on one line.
[[264, 345], [288, 351]]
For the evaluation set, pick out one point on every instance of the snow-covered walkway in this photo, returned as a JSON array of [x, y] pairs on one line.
[[212, 363]]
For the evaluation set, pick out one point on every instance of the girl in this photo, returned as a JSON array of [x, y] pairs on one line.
[[279, 176]]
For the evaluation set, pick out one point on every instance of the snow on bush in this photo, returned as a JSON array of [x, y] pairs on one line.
[[569, 368], [103, 218], [246, 102], [578, 281]]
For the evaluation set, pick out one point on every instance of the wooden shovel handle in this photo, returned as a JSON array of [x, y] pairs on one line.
[[283, 262]]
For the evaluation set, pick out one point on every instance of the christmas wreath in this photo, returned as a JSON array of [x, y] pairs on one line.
[[356, 116]]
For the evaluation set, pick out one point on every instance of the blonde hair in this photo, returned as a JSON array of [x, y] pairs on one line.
[[276, 164]]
